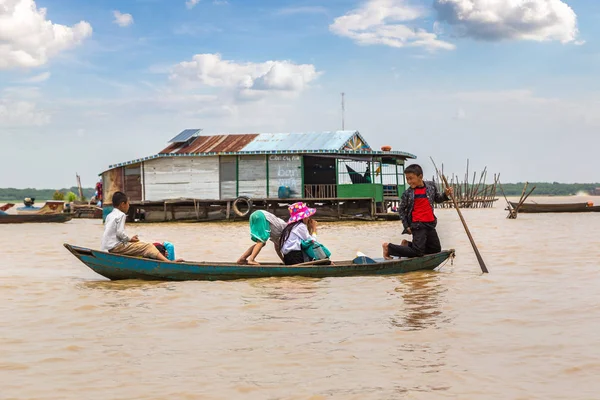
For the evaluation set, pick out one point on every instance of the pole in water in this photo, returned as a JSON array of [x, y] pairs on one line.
[[475, 249]]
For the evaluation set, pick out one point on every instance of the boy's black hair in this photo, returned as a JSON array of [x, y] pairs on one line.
[[118, 198], [161, 249], [414, 169]]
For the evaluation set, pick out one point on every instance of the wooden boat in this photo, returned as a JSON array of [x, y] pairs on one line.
[[556, 208], [6, 207], [30, 218], [86, 211], [50, 207], [118, 267]]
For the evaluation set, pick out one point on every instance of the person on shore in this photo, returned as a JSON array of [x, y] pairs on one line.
[[116, 241], [300, 228], [264, 226], [418, 218]]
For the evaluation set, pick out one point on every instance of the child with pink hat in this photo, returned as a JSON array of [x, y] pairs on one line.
[[300, 227]]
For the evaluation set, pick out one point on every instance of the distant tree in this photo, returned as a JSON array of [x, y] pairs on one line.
[[71, 197], [58, 195]]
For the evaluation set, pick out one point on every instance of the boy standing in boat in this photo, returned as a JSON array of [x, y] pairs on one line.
[[263, 226], [418, 218], [116, 241]]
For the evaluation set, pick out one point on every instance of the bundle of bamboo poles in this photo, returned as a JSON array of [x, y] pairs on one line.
[[513, 211], [470, 194]]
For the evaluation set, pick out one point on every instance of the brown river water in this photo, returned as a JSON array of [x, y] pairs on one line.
[[528, 330]]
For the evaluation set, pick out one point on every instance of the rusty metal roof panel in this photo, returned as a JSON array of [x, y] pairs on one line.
[[212, 144], [310, 141]]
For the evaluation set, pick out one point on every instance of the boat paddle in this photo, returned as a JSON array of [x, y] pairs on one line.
[[462, 219]]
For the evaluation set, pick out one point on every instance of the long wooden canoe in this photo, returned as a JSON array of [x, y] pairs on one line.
[[118, 267], [555, 208], [31, 218]]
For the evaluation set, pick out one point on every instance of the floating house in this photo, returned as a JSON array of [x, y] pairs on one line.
[[200, 176]]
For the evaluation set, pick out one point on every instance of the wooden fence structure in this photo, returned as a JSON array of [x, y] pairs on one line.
[[475, 193]]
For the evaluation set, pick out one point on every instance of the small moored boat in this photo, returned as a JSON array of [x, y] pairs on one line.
[[31, 218], [556, 208], [118, 267]]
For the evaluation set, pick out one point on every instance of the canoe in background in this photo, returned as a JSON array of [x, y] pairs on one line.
[[118, 267], [31, 218], [51, 207], [555, 208]]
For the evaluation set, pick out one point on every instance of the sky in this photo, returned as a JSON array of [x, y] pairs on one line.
[[511, 85]]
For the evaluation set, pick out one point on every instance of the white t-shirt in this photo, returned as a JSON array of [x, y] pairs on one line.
[[114, 230], [297, 235]]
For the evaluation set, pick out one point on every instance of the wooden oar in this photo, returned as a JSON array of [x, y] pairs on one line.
[[475, 249]]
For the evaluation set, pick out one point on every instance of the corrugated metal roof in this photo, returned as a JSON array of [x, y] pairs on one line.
[[333, 140], [310, 141], [212, 144]]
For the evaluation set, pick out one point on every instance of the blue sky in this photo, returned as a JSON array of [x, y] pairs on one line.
[[509, 84]]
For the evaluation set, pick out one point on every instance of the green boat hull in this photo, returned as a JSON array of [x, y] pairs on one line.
[[117, 267]]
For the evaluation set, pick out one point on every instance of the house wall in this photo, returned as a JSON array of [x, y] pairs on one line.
[[175, 177], [228, 177], [361, 190], [133, 182], [285, 170], [112, 181], [252, 176]]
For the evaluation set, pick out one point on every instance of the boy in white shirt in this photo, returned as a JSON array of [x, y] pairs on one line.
[[116, 241]]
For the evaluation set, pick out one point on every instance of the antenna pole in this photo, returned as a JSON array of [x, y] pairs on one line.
[[343, 111]]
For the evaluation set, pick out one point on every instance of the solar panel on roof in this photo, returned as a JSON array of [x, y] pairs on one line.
[[185, 135]]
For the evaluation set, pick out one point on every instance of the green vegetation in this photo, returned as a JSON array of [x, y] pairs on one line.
[[17, 195], [549, 189], [58, 196], [71, 197]]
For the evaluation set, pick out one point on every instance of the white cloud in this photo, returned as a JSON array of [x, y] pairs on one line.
[[44, 76], [537, 20], [211, 71], [301, 10], [122, 20], [28, 39], [191, 3], [383, 22], [220, 2], [21, 113], [21, 92]]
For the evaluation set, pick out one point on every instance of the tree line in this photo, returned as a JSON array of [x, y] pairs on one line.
[[550, 188], [12, 194]]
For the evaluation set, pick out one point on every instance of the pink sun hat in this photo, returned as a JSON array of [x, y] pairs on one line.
[[299, 211]]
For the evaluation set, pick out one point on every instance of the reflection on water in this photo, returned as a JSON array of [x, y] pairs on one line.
[[526, 330], [422, 293]]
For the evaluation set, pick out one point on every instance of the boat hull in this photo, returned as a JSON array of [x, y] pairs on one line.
[[34, 218], [555, 208], [117, 267]]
